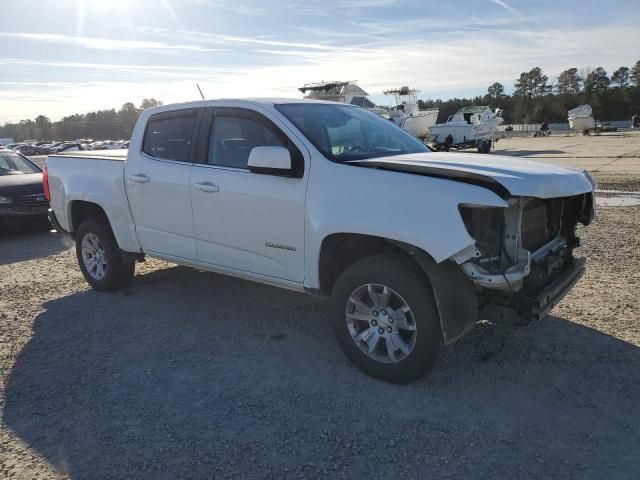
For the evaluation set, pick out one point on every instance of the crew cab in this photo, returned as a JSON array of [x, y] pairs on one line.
[[413, 247]]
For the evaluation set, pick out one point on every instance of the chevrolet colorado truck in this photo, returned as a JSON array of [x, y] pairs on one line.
[[413, 247]]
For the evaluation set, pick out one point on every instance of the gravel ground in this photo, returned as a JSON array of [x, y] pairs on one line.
[[193, 375], [629, 183]]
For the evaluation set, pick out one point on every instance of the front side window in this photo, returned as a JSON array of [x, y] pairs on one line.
[[343, 133], [235, 135], [168, 136]]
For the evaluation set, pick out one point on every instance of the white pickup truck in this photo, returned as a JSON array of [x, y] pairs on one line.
[[412, 246]]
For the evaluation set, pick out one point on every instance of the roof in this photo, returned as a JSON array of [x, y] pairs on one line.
[[268, 102]]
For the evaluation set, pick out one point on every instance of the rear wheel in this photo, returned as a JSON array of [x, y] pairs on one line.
[[484, 146], [385, 318], [100, 258]]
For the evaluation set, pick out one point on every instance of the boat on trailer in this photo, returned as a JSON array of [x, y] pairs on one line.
[[581, 119], [469, 127], [407, 114]]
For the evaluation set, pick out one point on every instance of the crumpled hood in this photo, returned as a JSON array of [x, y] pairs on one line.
[[505, 175]]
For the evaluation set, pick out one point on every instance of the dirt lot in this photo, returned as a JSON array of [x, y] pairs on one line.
[[194, 375], [609, 153]]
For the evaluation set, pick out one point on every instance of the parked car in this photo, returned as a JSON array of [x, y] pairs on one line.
[[606, 127], [29, 150], [55, 145], [412, 246], [108, 145], [21, 189], [103, 145], [68, 147]]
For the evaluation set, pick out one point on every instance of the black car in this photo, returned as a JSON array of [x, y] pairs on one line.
[[31, 150], [21, 191]]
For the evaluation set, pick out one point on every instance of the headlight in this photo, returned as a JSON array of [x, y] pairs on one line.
[[5, 200]]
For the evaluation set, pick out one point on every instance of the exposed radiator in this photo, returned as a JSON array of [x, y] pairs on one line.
[[534, 228]]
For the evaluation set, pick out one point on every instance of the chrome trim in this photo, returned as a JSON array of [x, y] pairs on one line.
[[220, 167], [164, 160]]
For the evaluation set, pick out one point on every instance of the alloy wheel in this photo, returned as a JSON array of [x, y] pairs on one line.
[[381, 323], [93, 256]]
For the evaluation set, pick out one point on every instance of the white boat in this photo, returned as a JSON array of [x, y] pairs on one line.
[[335, 91], [580, 119], [407, 114], [468, 127]]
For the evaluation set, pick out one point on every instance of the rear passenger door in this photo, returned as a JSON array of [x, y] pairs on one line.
[[246, 221], [157, 180]]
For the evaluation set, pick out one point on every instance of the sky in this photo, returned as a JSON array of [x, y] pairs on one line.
[[59, 57]]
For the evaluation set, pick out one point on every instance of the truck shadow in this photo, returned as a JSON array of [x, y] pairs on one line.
[[199, 373], [23, 243]]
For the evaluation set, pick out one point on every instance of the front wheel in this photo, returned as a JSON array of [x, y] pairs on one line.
[[100, 259], [385, 318]]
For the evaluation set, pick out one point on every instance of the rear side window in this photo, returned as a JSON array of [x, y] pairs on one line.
[[168, 136]]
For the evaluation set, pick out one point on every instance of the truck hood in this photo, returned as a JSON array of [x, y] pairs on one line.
[[507, 176]]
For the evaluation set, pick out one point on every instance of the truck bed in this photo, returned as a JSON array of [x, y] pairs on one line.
[[97, 178]]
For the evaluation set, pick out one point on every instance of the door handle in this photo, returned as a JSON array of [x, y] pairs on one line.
[[207, 187], [140, 178]]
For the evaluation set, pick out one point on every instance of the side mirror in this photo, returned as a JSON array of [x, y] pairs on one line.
[[270, 161]]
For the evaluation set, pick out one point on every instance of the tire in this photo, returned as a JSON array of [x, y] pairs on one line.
[[404, 283], [485, 146], [115, 272]]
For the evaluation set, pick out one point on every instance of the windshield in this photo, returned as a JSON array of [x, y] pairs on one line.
[[12, 163], [344, 133]]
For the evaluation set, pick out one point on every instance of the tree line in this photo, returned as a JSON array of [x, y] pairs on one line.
[[100, 125], [535, 99]]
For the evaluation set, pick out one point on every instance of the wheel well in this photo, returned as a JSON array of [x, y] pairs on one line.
[[340, 250], [81, 211]]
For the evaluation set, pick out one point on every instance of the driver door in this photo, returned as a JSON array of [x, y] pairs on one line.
[[249, 222]]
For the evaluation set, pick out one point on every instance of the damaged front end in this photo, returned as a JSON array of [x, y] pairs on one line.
[[522, 263]]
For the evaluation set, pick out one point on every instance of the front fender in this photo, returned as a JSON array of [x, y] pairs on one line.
[[416, 210]]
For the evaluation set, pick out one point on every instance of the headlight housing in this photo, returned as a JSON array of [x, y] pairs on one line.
[[486, 226], [5, 200]]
